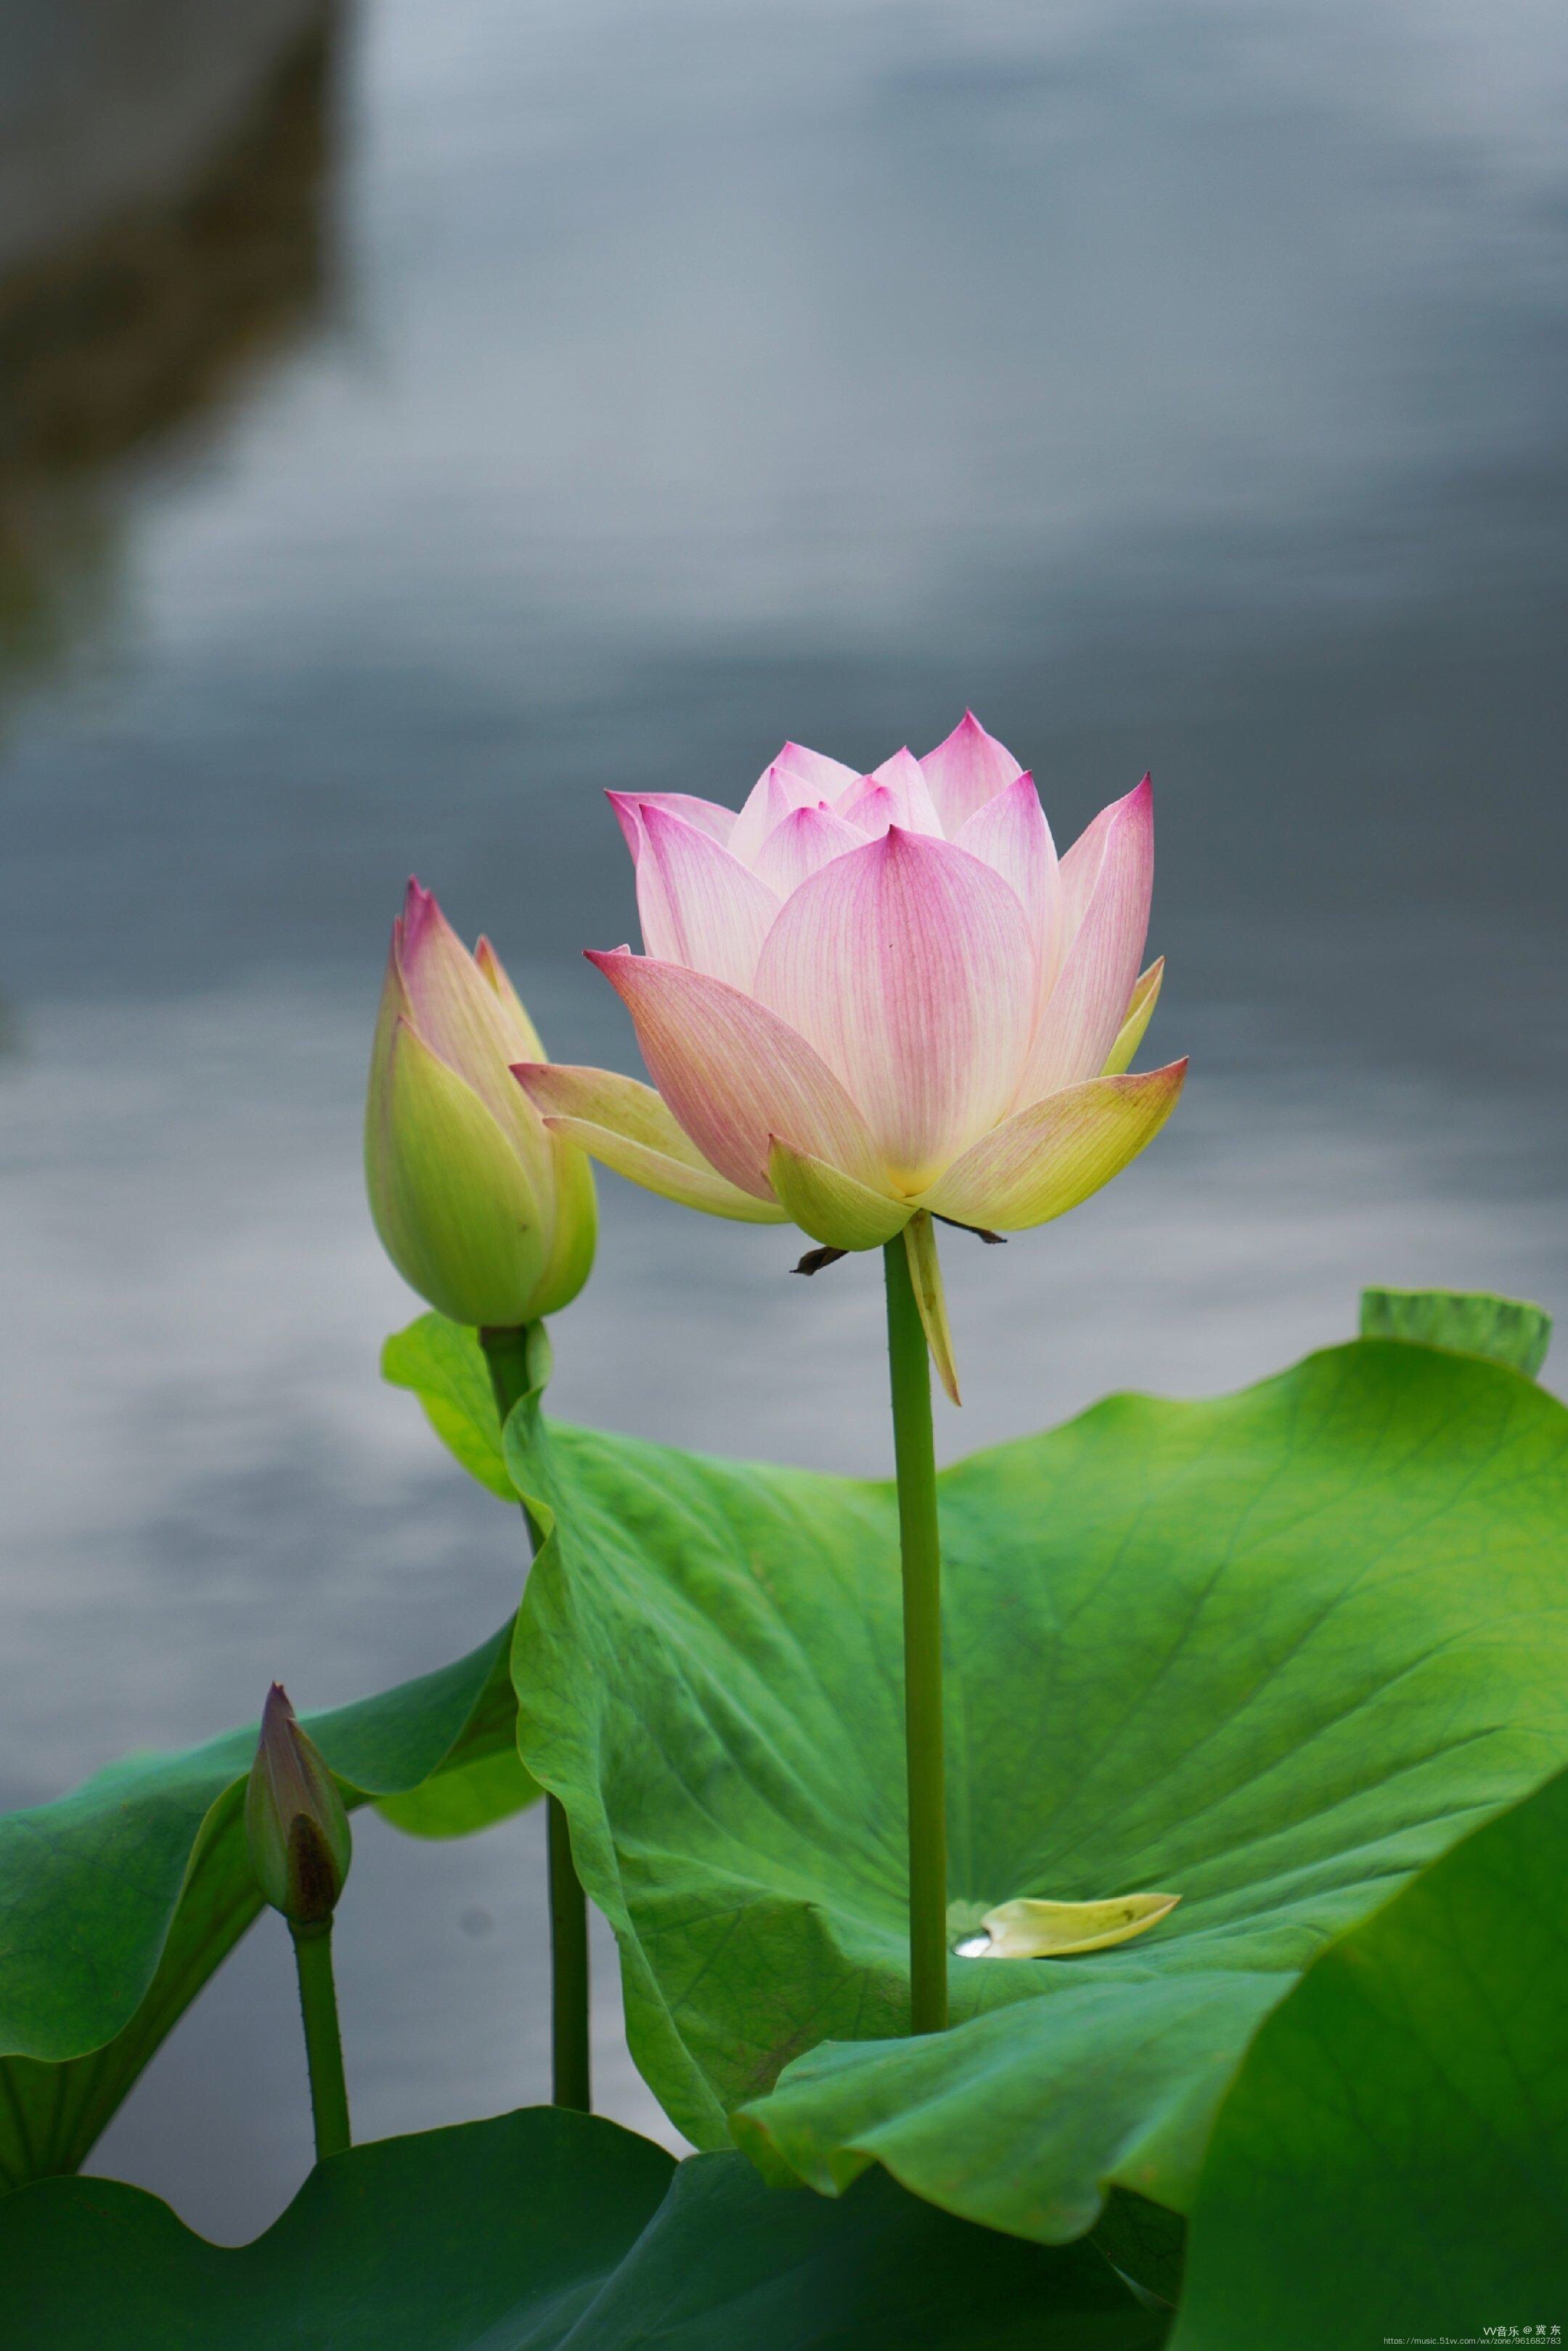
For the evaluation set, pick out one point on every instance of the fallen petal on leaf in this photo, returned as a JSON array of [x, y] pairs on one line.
[[1055, 1930]]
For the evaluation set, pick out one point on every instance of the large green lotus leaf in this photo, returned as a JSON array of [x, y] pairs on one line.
[[469, 1797], [444, 1365], [547, 2231], [117, 1902], [1472, 1321], [1270, 1653], [1392, 2161], [1146, 2241]]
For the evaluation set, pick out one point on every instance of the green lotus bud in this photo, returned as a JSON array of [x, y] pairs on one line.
[[482, 1210], [294, 1823]]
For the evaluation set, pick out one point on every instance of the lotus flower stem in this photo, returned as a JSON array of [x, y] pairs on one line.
[[915, 1459], [507, 1352], [867, 1002], [323, 2045]]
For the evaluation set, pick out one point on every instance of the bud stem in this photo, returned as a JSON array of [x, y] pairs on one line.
[[915, 1454], [323, 2045], [570, 2083], [507, 1352]]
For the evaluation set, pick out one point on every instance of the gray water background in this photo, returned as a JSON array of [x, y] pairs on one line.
[[1182, 385]]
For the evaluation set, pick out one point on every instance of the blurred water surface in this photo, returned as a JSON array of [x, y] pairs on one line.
[[413, 422]]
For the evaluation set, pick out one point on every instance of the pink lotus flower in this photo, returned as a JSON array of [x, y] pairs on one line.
[[863, 996]]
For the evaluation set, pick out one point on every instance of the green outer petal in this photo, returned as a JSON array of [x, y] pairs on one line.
[[1055, 1155], [608, 1098], [674, 1179], [833, 1208], [632, 1129], [472, 1025], [925, 1273], [1140, 1012], [576, 1234], [395, 1005], [522, 1038], [451, 1202]]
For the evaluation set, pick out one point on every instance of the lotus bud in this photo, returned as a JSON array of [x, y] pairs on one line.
[[482, 1210], [294, 1823]]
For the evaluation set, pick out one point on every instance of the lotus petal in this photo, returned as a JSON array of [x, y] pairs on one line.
[[706, 815], [908, 966], [700, 905], [1008, 832], [831, 1206], [450, 1201], [515, 1014], [735, 1075], [1089, 1002], [1047, 1158], [1080, 864], [629, 1128], [1028, 1929], [965, 771], [827, 778], [895, 793], [778, 789], [573, 1229], [474, 1025], [1140, 1012], [806, 839]]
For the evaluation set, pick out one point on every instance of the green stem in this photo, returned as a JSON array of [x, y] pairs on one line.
[[507, 1352], [323, 2047], [916, 1457], [570, 2084]]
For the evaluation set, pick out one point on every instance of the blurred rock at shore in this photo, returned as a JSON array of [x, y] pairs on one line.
[[165, 226]]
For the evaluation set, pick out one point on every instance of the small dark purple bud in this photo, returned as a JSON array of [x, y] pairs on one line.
[[294, 1823]]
